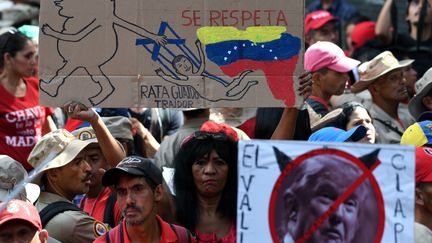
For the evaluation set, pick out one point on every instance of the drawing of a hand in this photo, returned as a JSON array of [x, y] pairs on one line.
[[160, 40], [48, 30], [198, 43], [160, 72]]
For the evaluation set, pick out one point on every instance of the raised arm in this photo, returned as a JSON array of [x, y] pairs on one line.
[[286, 127], [73, 37], [111, 149], [383, 24], [150, 144], [201, 56], [161, 40]]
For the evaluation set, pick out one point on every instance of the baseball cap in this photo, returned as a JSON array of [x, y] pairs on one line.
[[20, 210], [362, 33], [316, 19], [12, 173], [333, 134], [133, 165], [423, 171], [418, 134], [380, 65], [422, 88], [118, 126], [325, 54], [56, 149]]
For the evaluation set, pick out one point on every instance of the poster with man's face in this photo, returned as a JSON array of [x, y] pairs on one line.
[[171, 54], [326, 193]]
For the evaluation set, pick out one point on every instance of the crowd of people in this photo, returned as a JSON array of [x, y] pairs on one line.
[[79, 174]]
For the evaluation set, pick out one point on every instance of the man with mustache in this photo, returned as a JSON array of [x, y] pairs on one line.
[[384, 79], [59, 159], [138, 185], [99, 202]]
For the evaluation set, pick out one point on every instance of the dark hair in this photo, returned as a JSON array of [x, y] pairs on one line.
[[11, 42], [356, 19], [130, 146], [186, 194], [267, 120], [343, 118]]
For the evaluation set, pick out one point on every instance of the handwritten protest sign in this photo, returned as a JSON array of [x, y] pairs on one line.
[[311, 192], [164, 53]]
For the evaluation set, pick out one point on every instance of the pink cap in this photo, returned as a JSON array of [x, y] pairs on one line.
[[17, 209], [362, 33], [317, 19], [324, 54]]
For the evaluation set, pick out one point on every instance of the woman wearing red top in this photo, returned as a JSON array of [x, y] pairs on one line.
[[22, 120], [205, 183]]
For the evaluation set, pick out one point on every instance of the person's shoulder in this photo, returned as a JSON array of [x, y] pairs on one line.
[[32, 81], [175, 233], [78, 224]]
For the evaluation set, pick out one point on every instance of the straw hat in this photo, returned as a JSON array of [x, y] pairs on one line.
[[377, 67]]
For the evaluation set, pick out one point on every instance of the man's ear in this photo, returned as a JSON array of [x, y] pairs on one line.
[[52, 174], [316, 78], [419, 197], [427, 102], [373, 88], [43, 236], [158, 193]]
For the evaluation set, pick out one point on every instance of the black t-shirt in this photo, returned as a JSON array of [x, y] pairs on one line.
[[407, 46]]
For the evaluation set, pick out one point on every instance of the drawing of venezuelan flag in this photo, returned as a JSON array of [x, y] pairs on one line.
[[266, 48]]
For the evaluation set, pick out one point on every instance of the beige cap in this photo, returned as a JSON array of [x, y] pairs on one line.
[[318, 122], [12, 173], [56, 149], [377, 67], [422, 88]]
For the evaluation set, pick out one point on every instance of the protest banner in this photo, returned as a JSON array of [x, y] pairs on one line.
[[335, 192], [164, 53]]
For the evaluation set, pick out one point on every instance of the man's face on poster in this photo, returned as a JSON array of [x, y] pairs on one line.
[[330, 184]]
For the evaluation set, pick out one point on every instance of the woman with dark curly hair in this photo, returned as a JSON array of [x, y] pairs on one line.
[[205, 183], [354, 114]]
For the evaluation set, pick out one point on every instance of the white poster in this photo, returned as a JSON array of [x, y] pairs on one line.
[[313, 192]]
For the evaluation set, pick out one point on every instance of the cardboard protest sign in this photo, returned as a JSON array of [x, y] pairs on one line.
[[164, 53], [311, 192]]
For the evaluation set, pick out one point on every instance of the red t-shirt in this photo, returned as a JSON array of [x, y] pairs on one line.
[[212, 238], [96, 209], [21, 120], [167, 234]]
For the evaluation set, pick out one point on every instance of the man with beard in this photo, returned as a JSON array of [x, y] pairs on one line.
[[138, 186], [384, 78], [59, 159]]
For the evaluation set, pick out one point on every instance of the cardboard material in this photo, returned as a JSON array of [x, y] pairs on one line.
[[333, 192], [164, 53]]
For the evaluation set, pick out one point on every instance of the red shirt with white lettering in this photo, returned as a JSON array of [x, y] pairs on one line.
[[21, 120]]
